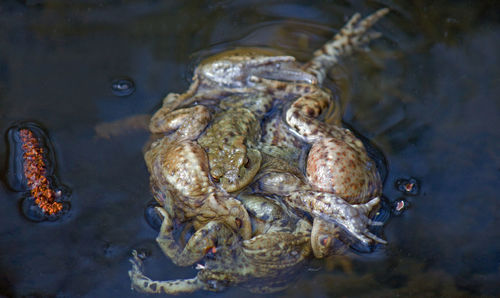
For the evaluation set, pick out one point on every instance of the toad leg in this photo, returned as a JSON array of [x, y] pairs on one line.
[[187, 123], [144, 284], [312, 101], [353, 36], [353, 218], [201, 242]]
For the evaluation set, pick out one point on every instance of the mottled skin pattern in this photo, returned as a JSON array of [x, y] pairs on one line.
[[338, 193], [192, 175], [278, 141], [332, 215], [337, 164], [230, 143], [265, 263], [180, 180]]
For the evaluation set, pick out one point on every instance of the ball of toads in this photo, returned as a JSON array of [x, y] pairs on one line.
[[245, 159]]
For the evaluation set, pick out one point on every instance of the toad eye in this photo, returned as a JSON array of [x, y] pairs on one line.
[[239, 223], [246, 162]]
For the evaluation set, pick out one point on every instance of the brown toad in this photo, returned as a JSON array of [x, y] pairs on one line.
[[338, 167], [180, 181], [195, 168], [230, 143], [339, 171]]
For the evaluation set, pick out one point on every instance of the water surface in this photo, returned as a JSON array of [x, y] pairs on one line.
[[427, 94]]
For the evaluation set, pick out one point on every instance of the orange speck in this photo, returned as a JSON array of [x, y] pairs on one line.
[[211, 249]]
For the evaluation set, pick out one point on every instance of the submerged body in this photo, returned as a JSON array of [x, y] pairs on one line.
[[265, 263]]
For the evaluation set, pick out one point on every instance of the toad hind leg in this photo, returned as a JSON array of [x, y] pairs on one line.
[[144, 284], [204, 239], [353, 218], [353, 36]]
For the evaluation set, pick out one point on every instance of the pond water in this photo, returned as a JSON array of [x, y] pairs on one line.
[[428, 95]]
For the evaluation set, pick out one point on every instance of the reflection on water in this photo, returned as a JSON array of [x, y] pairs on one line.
[[427, 95]]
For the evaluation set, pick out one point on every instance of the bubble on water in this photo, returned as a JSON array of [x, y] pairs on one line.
[[409, 186], [122, 86], [399, 206]]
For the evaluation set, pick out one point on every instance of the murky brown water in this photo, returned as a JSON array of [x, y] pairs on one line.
[[427, 94]]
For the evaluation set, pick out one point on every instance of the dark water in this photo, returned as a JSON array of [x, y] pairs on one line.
[[428, 94]]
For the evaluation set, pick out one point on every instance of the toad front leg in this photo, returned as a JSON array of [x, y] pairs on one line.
[[203, 241], [206, 239]]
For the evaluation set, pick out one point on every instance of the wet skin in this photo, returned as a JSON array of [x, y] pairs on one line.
[[267, 262], [341, 185]]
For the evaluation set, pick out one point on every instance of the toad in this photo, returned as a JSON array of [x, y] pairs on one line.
[[268, 262], [342, 184]]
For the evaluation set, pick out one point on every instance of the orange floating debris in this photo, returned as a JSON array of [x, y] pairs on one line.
[[35, 171], [31, 167]]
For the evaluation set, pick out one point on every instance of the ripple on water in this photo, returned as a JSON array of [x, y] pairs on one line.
[[122, 86]]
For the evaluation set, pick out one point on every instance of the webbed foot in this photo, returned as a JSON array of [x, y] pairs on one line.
[[356, 31], [353, 36], [353, 218]]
